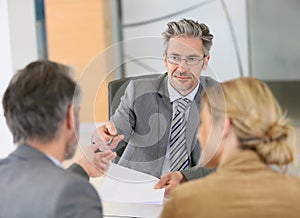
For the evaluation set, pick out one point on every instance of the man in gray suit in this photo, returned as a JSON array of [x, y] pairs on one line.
[[41, 107], [146, 116]]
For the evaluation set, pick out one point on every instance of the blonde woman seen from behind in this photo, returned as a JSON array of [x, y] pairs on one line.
[[242, 132]]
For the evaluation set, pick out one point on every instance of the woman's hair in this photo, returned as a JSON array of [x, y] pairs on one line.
[[256, 117]]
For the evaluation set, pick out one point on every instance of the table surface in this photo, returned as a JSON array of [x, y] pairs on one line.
[[113, 209]]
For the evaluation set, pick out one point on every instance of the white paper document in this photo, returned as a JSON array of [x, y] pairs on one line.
[[129, 186]]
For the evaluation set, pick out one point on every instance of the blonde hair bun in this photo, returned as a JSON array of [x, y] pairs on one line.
[[274, 148]]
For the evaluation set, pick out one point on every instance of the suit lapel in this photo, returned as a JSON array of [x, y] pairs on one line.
[[164, 108], [162, 85]]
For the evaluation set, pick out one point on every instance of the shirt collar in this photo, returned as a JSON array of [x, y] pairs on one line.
[[55, 161], [175, 95]]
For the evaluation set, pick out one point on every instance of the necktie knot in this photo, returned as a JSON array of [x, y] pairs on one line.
[[182, 104]]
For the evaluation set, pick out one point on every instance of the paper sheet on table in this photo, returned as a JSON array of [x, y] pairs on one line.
[[130, 186]]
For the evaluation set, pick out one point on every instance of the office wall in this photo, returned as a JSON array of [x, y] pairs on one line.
[[22, 32], [147, 20], [6, 72], [18, 47], [275, 51], [275, 44], [78, 32]]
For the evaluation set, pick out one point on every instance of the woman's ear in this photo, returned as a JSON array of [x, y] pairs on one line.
[[227, 126]]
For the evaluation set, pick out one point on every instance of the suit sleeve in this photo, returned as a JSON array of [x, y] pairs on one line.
[[196, 172], [78, 199], [124, 118], [77, 169]]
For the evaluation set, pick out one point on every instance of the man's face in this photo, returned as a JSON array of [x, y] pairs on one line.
[[183, 76]]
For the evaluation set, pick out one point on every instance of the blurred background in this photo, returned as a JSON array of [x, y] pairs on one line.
[[105, 40]]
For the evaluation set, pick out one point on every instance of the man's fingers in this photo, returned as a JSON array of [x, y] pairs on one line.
[[162, 182], [112, 156], [103, 160], [115, 141], [104, 133], [101, 135], [111, 129], [107, 154], [168, 188], [106, 136]]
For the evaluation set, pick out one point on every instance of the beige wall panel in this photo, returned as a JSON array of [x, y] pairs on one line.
[[76, 33]]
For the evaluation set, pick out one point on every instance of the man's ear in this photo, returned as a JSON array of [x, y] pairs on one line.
[[165, 59], [70, 117], [206, 60]]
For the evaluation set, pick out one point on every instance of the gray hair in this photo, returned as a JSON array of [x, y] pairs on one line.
[[37, 100], [188, 28]]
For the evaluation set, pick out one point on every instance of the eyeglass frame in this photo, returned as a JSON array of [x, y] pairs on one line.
[[185, 59]]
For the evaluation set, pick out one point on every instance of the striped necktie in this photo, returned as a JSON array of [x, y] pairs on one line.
[[178, 152]]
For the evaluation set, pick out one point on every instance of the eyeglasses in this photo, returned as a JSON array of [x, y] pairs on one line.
[[175, 59]]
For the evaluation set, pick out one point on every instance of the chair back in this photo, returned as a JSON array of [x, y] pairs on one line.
[[116, 89]]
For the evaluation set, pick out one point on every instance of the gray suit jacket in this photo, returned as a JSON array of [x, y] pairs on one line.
[[144, 117], [32, 186]]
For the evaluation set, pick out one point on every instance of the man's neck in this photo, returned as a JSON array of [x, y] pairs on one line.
[[175, 94], [52, 148]]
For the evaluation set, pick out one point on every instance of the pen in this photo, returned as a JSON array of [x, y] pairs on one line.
[[108, 143], [111, 139]]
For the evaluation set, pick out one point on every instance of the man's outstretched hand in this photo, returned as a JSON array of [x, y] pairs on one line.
[[95, 164], [169, 181]]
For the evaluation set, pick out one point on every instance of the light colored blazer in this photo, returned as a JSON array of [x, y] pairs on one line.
[[31, 186], [144, 117], [244, 187]]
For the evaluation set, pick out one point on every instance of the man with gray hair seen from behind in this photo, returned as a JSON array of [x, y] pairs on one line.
[[41, 107], [158, 117]]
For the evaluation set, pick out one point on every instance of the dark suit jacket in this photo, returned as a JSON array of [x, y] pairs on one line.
[[144, 117], [32, 186]]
